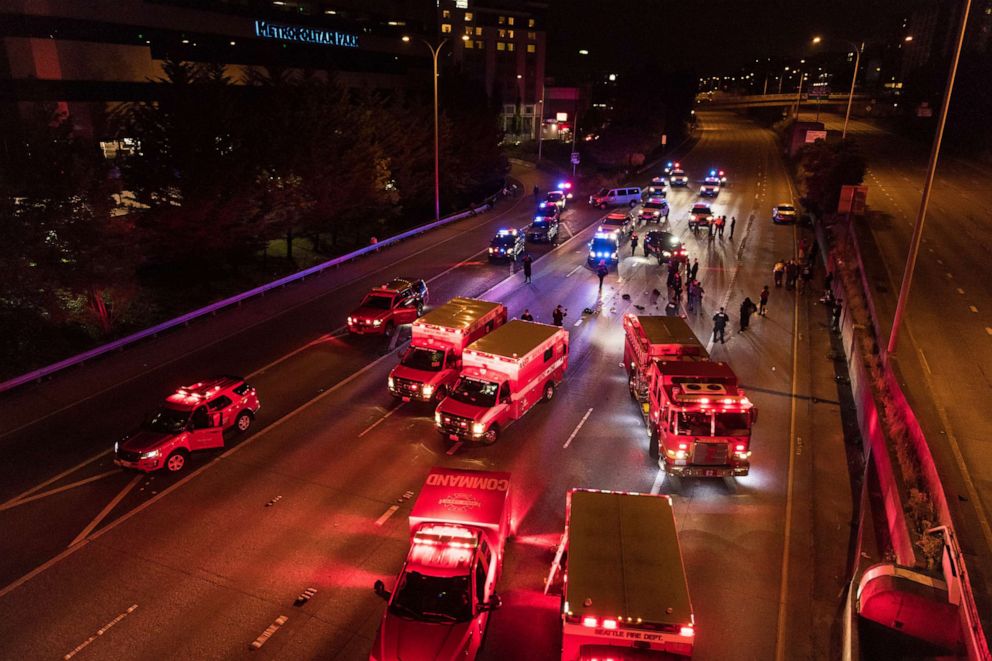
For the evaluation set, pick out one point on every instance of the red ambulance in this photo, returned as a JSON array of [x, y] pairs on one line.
[[440, 603]]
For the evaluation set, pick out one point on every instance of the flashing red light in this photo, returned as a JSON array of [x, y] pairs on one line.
[[740, 447], [704, 400], [721, 173], [590, 622], [609, 624]]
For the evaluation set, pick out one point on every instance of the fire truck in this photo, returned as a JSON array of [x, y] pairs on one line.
[[430, 366], [624, 590], [699, 419], [440, 604], [503, 375]]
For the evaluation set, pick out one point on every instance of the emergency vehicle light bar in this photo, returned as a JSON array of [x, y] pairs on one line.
[[450, 536], [506, 232]]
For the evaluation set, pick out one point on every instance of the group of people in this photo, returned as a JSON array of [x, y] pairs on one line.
[[797, 273], [716, 227]]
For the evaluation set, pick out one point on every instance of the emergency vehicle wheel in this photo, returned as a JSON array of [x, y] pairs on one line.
[[175, 462], [243, 422], [491, 435], [653, 449], [549, 392], [390, 329]]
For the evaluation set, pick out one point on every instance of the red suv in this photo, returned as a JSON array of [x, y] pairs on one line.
[[399, 301], [193, 418]]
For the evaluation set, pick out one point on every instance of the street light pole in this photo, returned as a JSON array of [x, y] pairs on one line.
[[854, 78], [914, 249], [799, 93]]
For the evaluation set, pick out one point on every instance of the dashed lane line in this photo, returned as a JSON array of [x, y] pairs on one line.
[[577, 428], [381, 420], [385, 515], [99, 632]]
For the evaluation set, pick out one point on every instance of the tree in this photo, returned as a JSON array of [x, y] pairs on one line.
[[824, 168]]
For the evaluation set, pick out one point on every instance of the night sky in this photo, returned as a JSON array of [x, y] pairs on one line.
[[707, 37]]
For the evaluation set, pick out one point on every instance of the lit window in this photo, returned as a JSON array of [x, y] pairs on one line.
[[445, 14], [446, 28], [502, 34], [510, 20], [530, 23], [531, 48], [502, 20], [469, 44], [532, 35], [510, 33], [478, 31], [500, 45], [468, 16], [510, 46], [468, 29]]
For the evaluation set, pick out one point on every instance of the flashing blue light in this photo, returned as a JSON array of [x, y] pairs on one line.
[[669, 164], [506, 232], [712, 173]]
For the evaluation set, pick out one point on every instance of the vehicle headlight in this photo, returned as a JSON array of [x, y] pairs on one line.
[[350, 321], [614, 255], [437, 418], [657, 213], [151, 455], [377, 322], [390, 382], [116, 445], [428, 390], [478, 429], [666, 253]]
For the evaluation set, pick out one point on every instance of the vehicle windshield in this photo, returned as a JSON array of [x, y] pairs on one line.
[[378, 301], [554, 197], [166, 420], [433, 598], [419, 358], [678, 173], [603, 191], [701, 211], [732, 424], [540, 223], [504, 240], [693, 423], [786, 208], [475, 392], [651, 204]]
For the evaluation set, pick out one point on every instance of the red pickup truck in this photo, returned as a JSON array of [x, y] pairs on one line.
[[399, 301]]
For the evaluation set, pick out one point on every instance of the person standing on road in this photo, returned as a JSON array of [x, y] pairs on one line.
[[694, 269], [558, 316], [527, 316], [805, 277], [747, 309], [690, 296], [677, 287], [791, 273], [528, 265], [720, 320], [835, 315], [778, 270], [763, 301], [733, 223], [537, 193], [633, 243], [601, 271]]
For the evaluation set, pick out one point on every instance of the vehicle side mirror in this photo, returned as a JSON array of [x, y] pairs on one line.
[[380, 590], [494, 603]]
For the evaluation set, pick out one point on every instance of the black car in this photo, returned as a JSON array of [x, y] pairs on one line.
[[665, 246], [543, 229], [507, 244], [548, 209]]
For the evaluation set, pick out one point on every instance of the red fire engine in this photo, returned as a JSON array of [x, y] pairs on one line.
[[699, 419], [440, 604], [430, 367]]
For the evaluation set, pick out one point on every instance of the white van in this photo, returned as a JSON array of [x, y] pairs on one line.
[[614, 197]]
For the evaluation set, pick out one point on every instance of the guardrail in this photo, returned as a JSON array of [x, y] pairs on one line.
[[95, 352]]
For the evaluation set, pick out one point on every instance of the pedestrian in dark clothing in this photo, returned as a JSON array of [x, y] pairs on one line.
[[778, 271], [828, 282], [528, 262], [694, 269], [671, 275], [763, 301], [537, 193], [527, 316], [791, 274], [558, 316], [835, 315], [747, 309], [602, 272], [805, 276], [677, 286], [733, 223], [633, 243], [720, 320], [811, 257], [711, 228]]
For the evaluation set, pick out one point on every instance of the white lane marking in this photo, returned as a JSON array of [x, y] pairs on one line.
[[577, 428], [574, 270], [52, 479], [380, 420], [106, 510], [988, 330], [960, 291], [949, 275], [577, 322], [385, 515], [272, 628], [926, 363], [99, 632], [973, 308], [10, 504], [659, 479], [454, 448]]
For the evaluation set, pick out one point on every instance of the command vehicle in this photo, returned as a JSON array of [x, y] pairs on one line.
[[784, 213], [192, 419], [399, 301], [619, 221], [605, 247], [653, 210], [678, 178], [700, 216], [624, 588], [543, 228], [440, 603], [665, 246], [430, 366], [507, 244], [503, 375]]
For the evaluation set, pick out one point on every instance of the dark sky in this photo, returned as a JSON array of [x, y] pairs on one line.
[[707, 37]]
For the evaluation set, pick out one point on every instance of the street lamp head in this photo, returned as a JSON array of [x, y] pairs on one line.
[[583, 51], [406, 39], [464, 37], [817, 40], [908, 38]]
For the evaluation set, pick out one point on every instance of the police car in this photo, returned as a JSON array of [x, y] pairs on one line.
[[656, 188], [653, 210], [719, 176], [507, 244], [619, 222], [784, 213], [543, 228], [679, 178], [604, 247], [665, 246], [709, 190], [672, 165], [556, 197]]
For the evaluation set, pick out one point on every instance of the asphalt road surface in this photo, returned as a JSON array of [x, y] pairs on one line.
[[128, 566]]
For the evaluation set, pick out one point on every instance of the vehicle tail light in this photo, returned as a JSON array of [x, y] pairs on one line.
[[590, 622], [609, 624], [688, 632]]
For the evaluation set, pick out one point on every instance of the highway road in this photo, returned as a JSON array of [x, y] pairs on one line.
[[199, 566], [945, 348]]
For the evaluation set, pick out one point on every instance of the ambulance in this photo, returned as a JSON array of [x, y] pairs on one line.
[[440, 604], [430, 366], [504, 374]]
